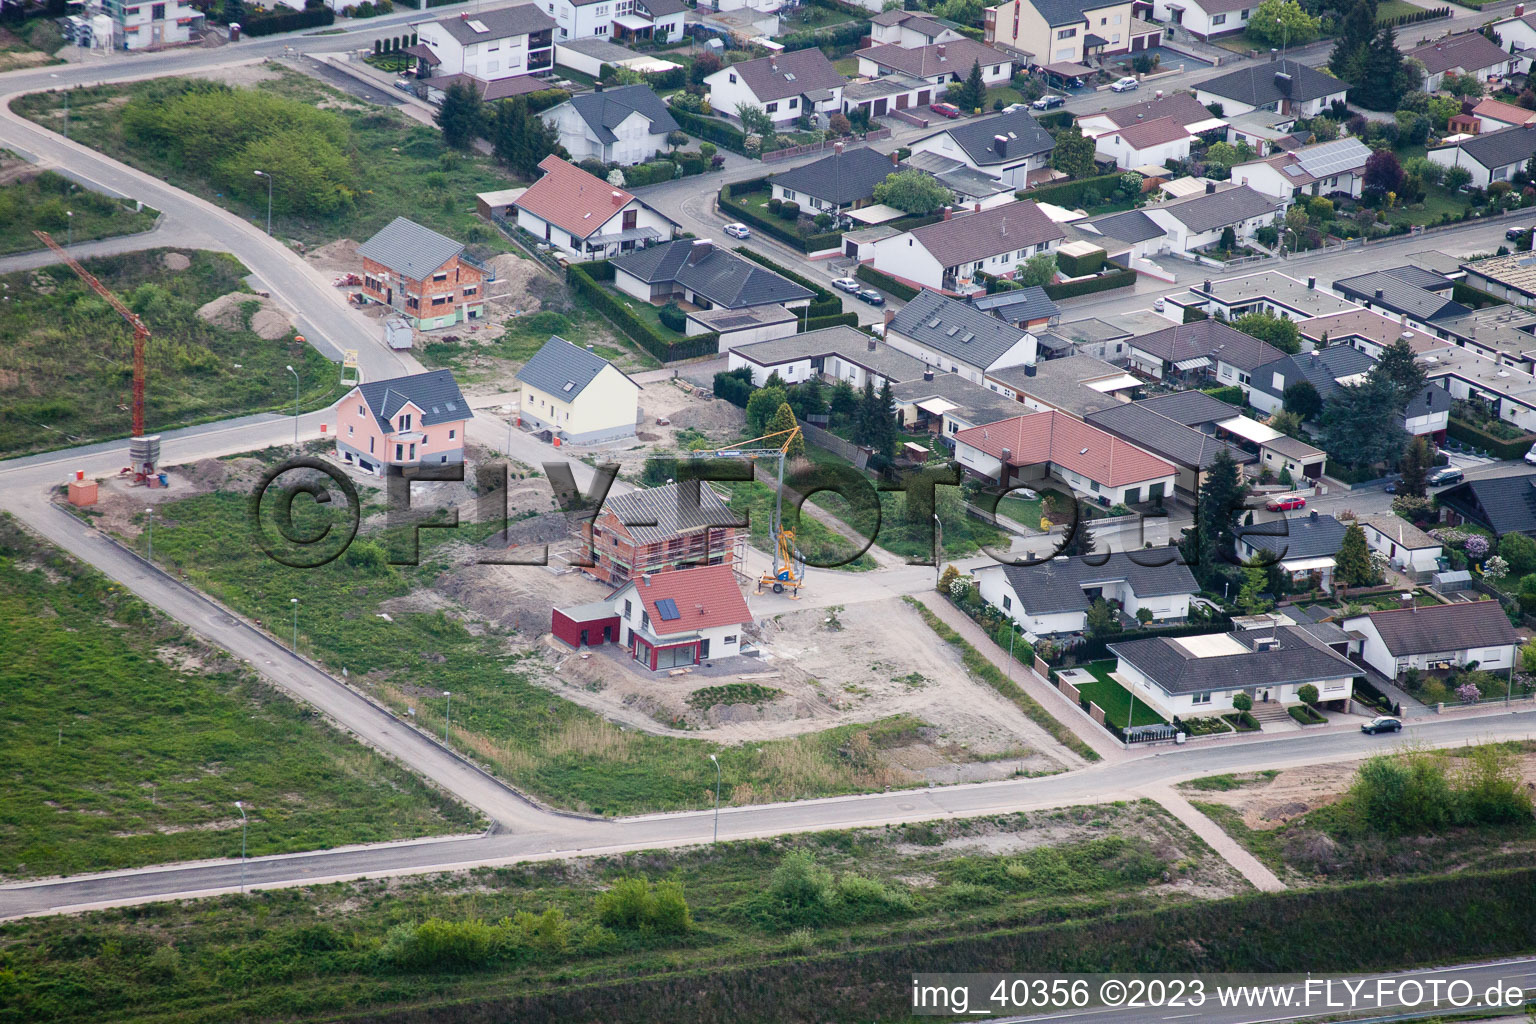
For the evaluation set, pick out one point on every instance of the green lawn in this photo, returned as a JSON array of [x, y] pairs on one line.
[[1023, 511], [126, 741], [1115, 699], [814, 539], [1007, 93], [1386, 10], [808, 17], [1437, 202], [475, 359], [46, 201], [848, 67]]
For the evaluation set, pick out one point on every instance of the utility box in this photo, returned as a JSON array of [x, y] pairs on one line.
[[398, 333], [82, 493]]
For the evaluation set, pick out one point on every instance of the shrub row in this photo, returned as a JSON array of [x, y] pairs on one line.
[[835, 41], [817, 323], [584, 278], [734, 387], [822, 294], [287, 21], [665, 170], [1094, 648], [885, 282], [1055, 119], [711, 129], [1415, 17], [1502, 448], [1070, 193], [788, 235], [1102, 283], [827, 307]]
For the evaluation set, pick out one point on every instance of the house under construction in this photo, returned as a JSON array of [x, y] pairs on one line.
[[652, 531]]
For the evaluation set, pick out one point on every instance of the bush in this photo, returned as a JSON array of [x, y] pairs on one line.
[[789, 211], [711, 129], [1102, 283], [671, 315], [735, 386], [1308, 694], [583, 278], [1500, 448], [1242, 702], [631, 905]]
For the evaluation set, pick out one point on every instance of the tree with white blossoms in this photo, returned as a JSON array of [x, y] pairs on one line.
[[959, 587], [616, 178], [1380, 563], [1495, 568]]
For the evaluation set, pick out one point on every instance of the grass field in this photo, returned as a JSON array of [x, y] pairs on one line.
[[30, 44], [126, 742], [395, 164], [1116, 700], [45, 201], [525, 336], [66, 358], [814, 539]]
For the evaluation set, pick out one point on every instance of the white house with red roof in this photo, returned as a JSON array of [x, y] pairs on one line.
[[1147, 143], [1026, 450], [665, 620], [585, 217], [1494, 114]]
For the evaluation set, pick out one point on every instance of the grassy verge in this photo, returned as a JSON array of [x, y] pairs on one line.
[[1116, 700], [29, 44], [45, 201], [66, 357], [983, 669], [125, 741], [477, 359], [814, 539]]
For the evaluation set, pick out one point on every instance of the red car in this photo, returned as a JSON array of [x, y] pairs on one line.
[[1286, 504], [948, 110]]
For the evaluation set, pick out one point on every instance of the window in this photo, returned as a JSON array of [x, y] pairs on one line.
[[645, 619], [1007, 602], [405, 422], [772, 108], [728, 639], [361, 411], [349, 430], [627, 610], [997, 69], [789, 196], [370, 446], [438, 300], [1204, 697], [399, 451], [1243, 14], [794, 101], [1218, 19], [732, 78], [1093, 485], [1118, 17], [1066, 33], [452, 434], [469, 290], [157, 12]]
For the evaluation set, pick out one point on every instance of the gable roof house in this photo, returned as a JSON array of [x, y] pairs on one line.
[[1191, 451], [952, 336], [1139, 234], [1009, 147], [1062, 34], [576, 394], [1418, 296], [627, 125], [1145, 144], [1436, 635], [1503, 504], [705, 275], [1304, 546], [660, 529], [1053, 597], [938, 63], [1492, 115], [1180, 106], [666, 620], [1469, 53], [1317, 170], [424, 275], [1201, 220], [506, 42], [946, 255], [1518, 32], [1028, 307], [845, 180], [1326, 369], [1406, 546], [1200, 349], [1204, 19], [785, 85], [1493, 156], [910, 29], [1284, 86], [389, 427], [585, 217]]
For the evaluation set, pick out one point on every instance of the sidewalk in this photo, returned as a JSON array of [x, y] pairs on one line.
[[1227, 848]]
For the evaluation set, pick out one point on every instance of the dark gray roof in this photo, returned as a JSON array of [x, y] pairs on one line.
[[561, 369], [1130, 226], [1322, 367], [1211, 210], [722, 277], [1296, 657], [1057, 585], [1501, 148], [409, 249], [1308, 536], [1210, 338], [606, 110], [1256, 85], [1021, 305], [844, 342], [1156, 433], [435, 393], [1025, 138], [661, 506], [1067, 12], [792, 73], [1432, 399], [946, 325], [841, 178], [1421, 278], [500, 23], [974, 403], [1470, 51], [1058, 383], [1504, 504], [1443, 627], [662, 8], [1398, 296], [1191, 408]]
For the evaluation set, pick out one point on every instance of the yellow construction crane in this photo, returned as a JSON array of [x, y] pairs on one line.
[[788, 567]]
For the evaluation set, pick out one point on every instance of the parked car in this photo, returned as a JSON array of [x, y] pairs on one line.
[[1159, 305], [1516, 234], [872, 297], [1014, 108], [1126, 84], [1286, 504], [403, 84], [1446, 475], [738, 230], [1381, 723], [948, 110], [1530, 456], [847, 284], [1049, 102]]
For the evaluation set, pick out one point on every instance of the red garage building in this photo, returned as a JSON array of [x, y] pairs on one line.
[[666, 620]]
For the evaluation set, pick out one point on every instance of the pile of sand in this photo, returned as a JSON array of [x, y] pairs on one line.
[[269, 322], [175, 261], [713, 418], [338, 257]]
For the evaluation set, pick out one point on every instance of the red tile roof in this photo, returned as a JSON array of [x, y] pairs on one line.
[[1508, 113], [1071, 444], [571, 199], [1151, 133], [706, 597]]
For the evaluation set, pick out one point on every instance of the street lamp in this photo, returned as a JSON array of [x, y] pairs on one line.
[[71, 222], [295, 405], [938, 543], [264, 174], [448, 714], [151, 513], [243, 821], [715, 759], [295, 602]]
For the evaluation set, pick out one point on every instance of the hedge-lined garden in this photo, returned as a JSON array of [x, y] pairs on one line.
[[1498, 447], [1102, 283], [711, 129], [584, 278], [885, 282], [784, 230]]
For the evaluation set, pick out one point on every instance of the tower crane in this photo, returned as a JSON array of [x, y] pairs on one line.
[[146, 450], [788, 567]]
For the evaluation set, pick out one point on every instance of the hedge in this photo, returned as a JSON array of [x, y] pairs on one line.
[[835, 41], [822, 294], [711, 129], [1070, 193], [584, 278], [1055, 119], [1093, 648], [734, 387], [817, 323], [885, 282], [789, 236], [1231, 394], [1499, 447], [1103, 283], [287, 21]]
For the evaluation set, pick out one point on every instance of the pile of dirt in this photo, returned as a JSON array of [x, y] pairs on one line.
[[338, 257], [175, 261], [716, 418], [269, 322], [206, 474]]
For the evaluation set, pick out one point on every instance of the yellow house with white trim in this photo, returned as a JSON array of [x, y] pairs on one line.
[[577, 395]]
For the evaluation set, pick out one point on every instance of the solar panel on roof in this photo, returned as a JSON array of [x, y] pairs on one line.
[[1332, 157], [667, 609], [1295, 171]]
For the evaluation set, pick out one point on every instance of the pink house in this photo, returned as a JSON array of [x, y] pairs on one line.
[[388, 426]]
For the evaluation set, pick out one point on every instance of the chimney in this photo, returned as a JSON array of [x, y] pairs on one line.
[[871, 344], [977, 207], [890, 315], [1311, 284], [1029, 369], [928, 374], [1000, 143], [940, 51], [946, 213], [1519, 10], [1207, 286], [1159, 94], [1283, 83], [1273, 53], [701, 247], [591, 348], [463, 15], [773, 61], [1379, 294], [597, 87], [618, 198], [895, 159], [837, 149], [1007, 453]]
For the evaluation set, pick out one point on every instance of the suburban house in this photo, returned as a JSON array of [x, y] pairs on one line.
[[1325, 369], [627, 125], [937, 64], [1370, 332], [1028, 450], [1205, 348], [1130, 231], [946, 403], [1277, 452], [1028, 307], [576, 395], [700, 273], [1509, 391], [666, 620], [952, 336], [661, 529], [1420, 297], [1492, 115], [1501, 333], [909, 29], [1194, 675], [585, 217], [1470, 53], [834, 353], [1304, 547], [1073, 384], [424, 275], [947, 255], [738, 327], [1503, 504], [619, 19], [1267, 291], [1180, 106], [1406, 546], [1204, 18], [1428, 414], [1286, 455], [1496, 156], [1436, 636], [1317, 170], [1146, 144], [1053, 597], [842, 181], [1518, 34], [785, 85], [502, 43], [1063, 35], [390, 427], [1190, 450], [1008, 147], [1201, 220], [1284, 86], [591, 54], [1507, 277], [139, 25]]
